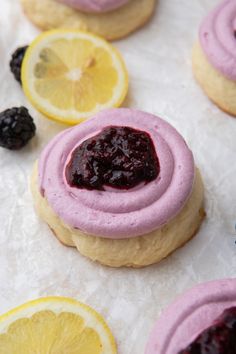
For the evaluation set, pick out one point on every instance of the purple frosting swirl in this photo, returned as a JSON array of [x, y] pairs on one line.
[[189, 315], [218, 40], [116, 213]]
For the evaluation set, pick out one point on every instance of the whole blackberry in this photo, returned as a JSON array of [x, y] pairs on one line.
[[16, 128], [16, 62]]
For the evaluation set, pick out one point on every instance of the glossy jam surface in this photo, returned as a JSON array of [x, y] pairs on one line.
[[119, 157], [218, 339]]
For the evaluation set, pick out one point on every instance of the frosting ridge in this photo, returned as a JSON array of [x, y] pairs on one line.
[[96, 6]]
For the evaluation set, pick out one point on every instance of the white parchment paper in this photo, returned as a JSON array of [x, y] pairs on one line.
[[33, 263]]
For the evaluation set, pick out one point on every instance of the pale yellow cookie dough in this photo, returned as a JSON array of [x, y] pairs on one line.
[[49, 14], [133, 252], [218, 88]]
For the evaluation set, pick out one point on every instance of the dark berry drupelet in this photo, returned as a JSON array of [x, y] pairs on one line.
[[16, 128], [16, 62]]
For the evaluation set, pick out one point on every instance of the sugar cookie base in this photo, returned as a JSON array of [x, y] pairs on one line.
[[133, 252], [218, 88], [49, 14]]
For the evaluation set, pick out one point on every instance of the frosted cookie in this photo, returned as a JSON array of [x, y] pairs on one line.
[[214, 56], [107, 18], [203, 320], [121, 187]]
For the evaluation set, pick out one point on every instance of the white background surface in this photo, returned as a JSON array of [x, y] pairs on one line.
[[33, 263]]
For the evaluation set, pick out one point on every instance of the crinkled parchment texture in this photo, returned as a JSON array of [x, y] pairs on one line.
[[33, 263]]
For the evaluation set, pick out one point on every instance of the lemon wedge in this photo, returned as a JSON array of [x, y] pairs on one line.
[[70, 75], [55, 325]]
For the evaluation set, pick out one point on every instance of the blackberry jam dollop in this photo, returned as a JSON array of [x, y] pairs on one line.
[[119, 157], [218, 339]]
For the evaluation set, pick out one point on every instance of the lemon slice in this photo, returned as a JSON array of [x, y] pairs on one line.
[[55, 325], [70, 75]]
